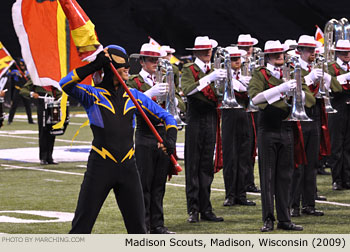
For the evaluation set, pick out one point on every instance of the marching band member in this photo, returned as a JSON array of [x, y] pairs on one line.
[[276, 153], [236, 137], [304, 177], [200, 135], [111, 163], [339, 122], [246, 42], [46, 140], [153, 164], [2, 95], [18, 80], [169, 53]]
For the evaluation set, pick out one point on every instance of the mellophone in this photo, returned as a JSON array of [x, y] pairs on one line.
[[52, 115]]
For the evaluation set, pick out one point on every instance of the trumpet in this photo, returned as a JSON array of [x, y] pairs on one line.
[[297, 112], [165, 73], [222, 59]]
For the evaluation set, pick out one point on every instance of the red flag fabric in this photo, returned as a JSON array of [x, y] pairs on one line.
[[5, 60]]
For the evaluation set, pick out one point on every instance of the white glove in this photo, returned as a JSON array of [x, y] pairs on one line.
[[217, 74], [343, 78], [3, 81], [327, 80], [313, 76], [245, 80], [159, 89], [238, 86], [287, 86]]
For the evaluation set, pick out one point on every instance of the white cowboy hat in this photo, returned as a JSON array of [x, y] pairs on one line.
[[342, 45], [293, 53], [203, 43], [149, 50], [246, 40], [320, 50], [308, 41], [235, 52], [167, 48], [292, 44], [275, 46]]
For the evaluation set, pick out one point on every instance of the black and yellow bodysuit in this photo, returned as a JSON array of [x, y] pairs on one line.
[[111, 163]]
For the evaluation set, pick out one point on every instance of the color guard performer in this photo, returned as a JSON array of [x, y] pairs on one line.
[[111, 163]]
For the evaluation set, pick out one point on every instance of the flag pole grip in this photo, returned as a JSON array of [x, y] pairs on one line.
[[144, 116]]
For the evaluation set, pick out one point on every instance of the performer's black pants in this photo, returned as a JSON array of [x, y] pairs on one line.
[[250, 174], [46, 140], [153, 165], [236, 150], [304, 176], [101, 176], [276, 169], [15, 101], [200, 136], [339, 127]]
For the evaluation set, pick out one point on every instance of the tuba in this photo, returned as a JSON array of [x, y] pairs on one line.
[[164, 66], [297, 112], [222, 59]]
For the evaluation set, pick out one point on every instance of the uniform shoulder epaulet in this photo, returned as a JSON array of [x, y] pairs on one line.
[[259, 68], [133, 76], [331, 63], [189, 64]]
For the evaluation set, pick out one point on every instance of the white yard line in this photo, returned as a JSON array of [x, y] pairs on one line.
[[170, 184], [36, 138]]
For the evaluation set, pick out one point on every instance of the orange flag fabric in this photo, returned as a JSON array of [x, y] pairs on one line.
[[47, 39]]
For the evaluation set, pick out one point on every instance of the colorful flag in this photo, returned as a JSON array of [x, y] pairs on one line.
[[5, 60], [82, 30], [47, 45], [173, 59], [319, 35]]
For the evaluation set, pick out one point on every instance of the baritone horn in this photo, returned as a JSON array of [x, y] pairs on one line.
[[222, 59], [297, 112], [165, 72]]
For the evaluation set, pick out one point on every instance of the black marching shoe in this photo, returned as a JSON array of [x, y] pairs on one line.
[[268, 226], [322, 171], [337, 186], [245, 202], [229, 202], [253, 188], [52, 162], [346, 185], [193, 217], [210, 216], [288, 225], [310, 210], [43, 162], [161, 230], [295, 212]]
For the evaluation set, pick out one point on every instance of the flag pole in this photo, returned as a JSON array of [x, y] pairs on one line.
[[144, 116], [20, 70]]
